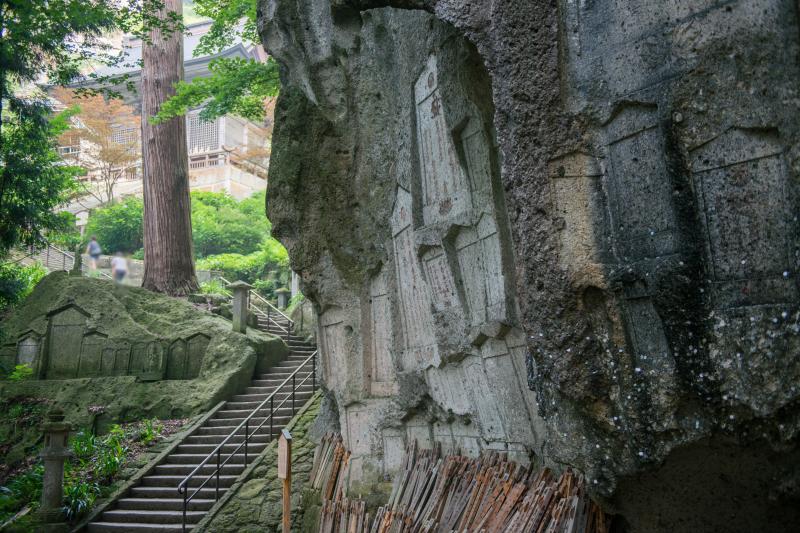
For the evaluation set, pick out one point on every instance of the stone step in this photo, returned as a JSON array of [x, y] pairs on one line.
[[129, 516], [226, 430], [173, 481], [108, 527], [236, 439], [228, 448], [156, 493], [164, 504], [197, 458], [260, 397], [208, 468], [233, 422], [263, 413], [300, 398]]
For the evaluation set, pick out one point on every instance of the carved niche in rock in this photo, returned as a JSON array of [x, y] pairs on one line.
[[147, 361], [639, 186], [381, 368], [445, 190], [28, 349], [742, 182], [196, 347], [65, 336], [418, 341], [334, 345], [176, 360], [480, 263], [575, 179], [91, 358]]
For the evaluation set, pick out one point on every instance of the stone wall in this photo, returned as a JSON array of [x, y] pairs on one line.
[[552, 227], [254, 503]]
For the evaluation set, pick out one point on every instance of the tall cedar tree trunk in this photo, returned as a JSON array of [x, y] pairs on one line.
[[168, 265]]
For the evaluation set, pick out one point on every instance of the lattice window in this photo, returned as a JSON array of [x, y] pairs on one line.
[[125, 135], [202, 136]]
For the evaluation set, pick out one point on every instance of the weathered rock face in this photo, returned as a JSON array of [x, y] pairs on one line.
[[560, 227], [134, 353]]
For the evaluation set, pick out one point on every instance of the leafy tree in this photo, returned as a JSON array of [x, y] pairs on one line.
[[237, 86], [220, 225], [118, 227], [34, 179], [52, 38], [107, 132], [17, 281], [169, 262]]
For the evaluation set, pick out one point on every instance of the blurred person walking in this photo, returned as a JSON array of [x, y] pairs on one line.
[[94, 250], [119, 267]]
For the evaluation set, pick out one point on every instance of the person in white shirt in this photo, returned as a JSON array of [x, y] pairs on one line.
[[119, 267]]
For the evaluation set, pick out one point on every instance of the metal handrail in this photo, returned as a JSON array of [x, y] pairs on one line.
[[183, 486], [272, 307]]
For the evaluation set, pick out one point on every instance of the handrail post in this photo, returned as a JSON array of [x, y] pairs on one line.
[[246, 436], [268, 309], [216, 494], [271, 417], [293, 386], [314, 371], [185, 504]]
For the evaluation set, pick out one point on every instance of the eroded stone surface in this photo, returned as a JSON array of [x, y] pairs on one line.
[[586, 209]]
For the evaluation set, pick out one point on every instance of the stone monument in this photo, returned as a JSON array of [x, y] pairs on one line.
[[55, 451]]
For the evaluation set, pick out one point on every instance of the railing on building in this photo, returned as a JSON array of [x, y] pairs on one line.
[[268, 403], [53, 259]]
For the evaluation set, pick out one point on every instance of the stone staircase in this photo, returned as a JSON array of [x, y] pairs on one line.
[[155, 505]]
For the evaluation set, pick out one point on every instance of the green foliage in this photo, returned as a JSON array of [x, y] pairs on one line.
[[33, 179], [149, 431], [17, 281], [20, 373], [23, 489], [66, 235], [220, 226], [236, 86], [251, 267], [83, 446], [118, 227], [296, 301], [213, 286], [79, 497]]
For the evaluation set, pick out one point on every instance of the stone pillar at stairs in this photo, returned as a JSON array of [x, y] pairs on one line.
[[241, 304]]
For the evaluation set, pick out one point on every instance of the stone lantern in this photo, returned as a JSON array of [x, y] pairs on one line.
[[241, 305], [54, 453], [283, 295]]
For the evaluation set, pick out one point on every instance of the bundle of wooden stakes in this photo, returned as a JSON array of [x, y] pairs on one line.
[[457, 494], [328, 473]]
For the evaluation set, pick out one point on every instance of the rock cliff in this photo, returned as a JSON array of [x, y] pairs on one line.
[[563, 229]]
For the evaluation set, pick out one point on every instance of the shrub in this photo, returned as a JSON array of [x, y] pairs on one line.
[[79, 497], [213, 286], [17, 281], [150, 430], [83, 446], [20, 373], [118, 227]]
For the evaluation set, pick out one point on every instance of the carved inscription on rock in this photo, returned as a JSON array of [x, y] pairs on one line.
[[195, 352], [28, 350], [639, 186], [444, 185], [575, 178], [381, 361], [90, 363], [440, 279], [334, 357], [65, 337], [176, 360], [742, 181], [419, 347]]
